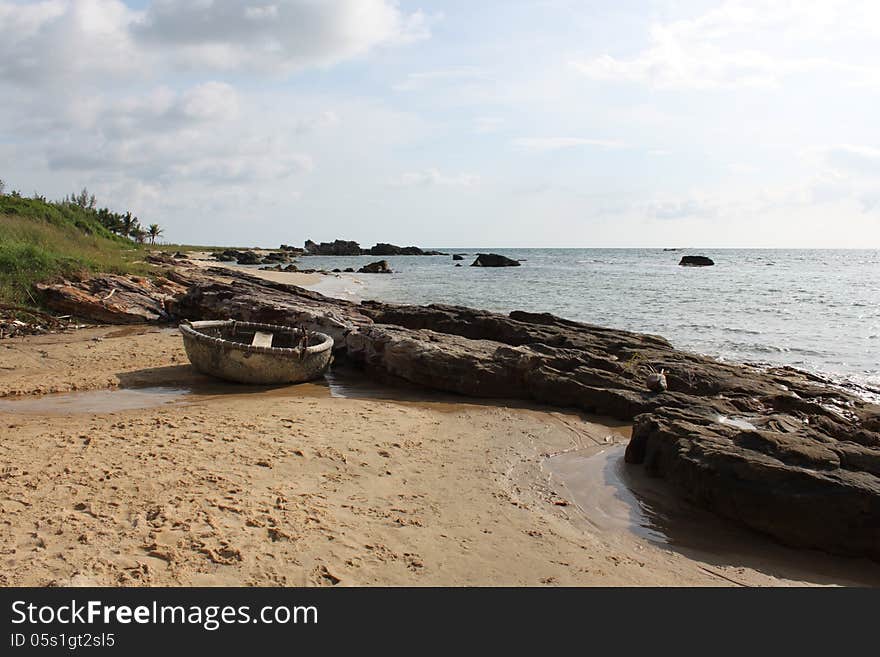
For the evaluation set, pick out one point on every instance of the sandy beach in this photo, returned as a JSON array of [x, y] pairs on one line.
[[151, 474]]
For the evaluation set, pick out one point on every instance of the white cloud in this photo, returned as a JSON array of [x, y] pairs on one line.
[[73, 40], [60, 41], [846, 159], [544, 144], [488, 124], [434, 177], [746, 44], [696, 207], [420, 80], [845, 173]]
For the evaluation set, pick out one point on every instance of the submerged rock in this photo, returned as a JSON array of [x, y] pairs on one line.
[[696, 261], [493, 260]]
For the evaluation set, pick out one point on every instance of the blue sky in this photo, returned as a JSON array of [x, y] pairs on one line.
[[542, 123]]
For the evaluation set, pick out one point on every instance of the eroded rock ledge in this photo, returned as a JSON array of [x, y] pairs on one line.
[[781, 451]]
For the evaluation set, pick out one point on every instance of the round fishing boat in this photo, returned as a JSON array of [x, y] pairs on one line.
[[249, 352]]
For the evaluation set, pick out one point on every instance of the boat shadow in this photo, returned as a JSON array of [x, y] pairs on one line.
[[187, 379]]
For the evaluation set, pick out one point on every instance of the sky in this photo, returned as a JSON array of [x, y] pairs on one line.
[[505, 123]]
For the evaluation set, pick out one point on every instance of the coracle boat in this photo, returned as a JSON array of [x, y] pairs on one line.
[[248, 352]]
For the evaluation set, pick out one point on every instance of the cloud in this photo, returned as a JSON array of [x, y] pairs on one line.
[[845, 172], [682, 208], [60, 41], [433, 177], [545, 144], [488, 124], [744, 44], [70, 41], [282, 36], [420, 80], [201, 133], [852, 160]]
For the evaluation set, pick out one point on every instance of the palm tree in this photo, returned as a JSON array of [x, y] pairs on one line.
[[154, 232], [128, 224]]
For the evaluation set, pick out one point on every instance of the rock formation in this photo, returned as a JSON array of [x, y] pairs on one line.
[[344, 248], [781, 451], [378, 267], [113, 299], [493, 260], [696, 261], [336, 248]]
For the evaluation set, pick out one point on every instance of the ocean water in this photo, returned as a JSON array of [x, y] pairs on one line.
[[817, 310]]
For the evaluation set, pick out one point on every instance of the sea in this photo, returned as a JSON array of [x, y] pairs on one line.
[[817, 310]]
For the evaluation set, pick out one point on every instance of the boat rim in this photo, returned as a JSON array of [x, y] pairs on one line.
[[191, 330]]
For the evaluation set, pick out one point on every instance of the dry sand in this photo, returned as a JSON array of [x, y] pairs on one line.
[[342, 286], [229, 485]]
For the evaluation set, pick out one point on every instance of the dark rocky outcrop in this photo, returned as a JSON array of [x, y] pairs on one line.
[[276, 256], [778, 450], [456, 256], [696, 261], [344, 248], [249, 258], [336, 248], [808, 472], [383, 249], [493, 260], [227, 255], [378, 267]]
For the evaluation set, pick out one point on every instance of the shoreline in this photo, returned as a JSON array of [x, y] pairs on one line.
[[756, 431], [299, 486]]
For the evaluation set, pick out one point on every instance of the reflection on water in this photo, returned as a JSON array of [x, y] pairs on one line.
[[615, 497], [182, 384], [595, 483], [94, 401]]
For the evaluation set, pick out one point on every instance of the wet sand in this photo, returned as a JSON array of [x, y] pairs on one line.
[[143, 472]]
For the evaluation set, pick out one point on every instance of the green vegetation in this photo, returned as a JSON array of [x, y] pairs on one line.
[[42, 240]]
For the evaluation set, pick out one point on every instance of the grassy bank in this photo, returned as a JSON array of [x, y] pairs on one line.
[[40, 241]]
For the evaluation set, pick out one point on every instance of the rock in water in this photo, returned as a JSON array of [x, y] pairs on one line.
[[457, 257], [493, 260], [378, 267], [335, 248], [696, 261]]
